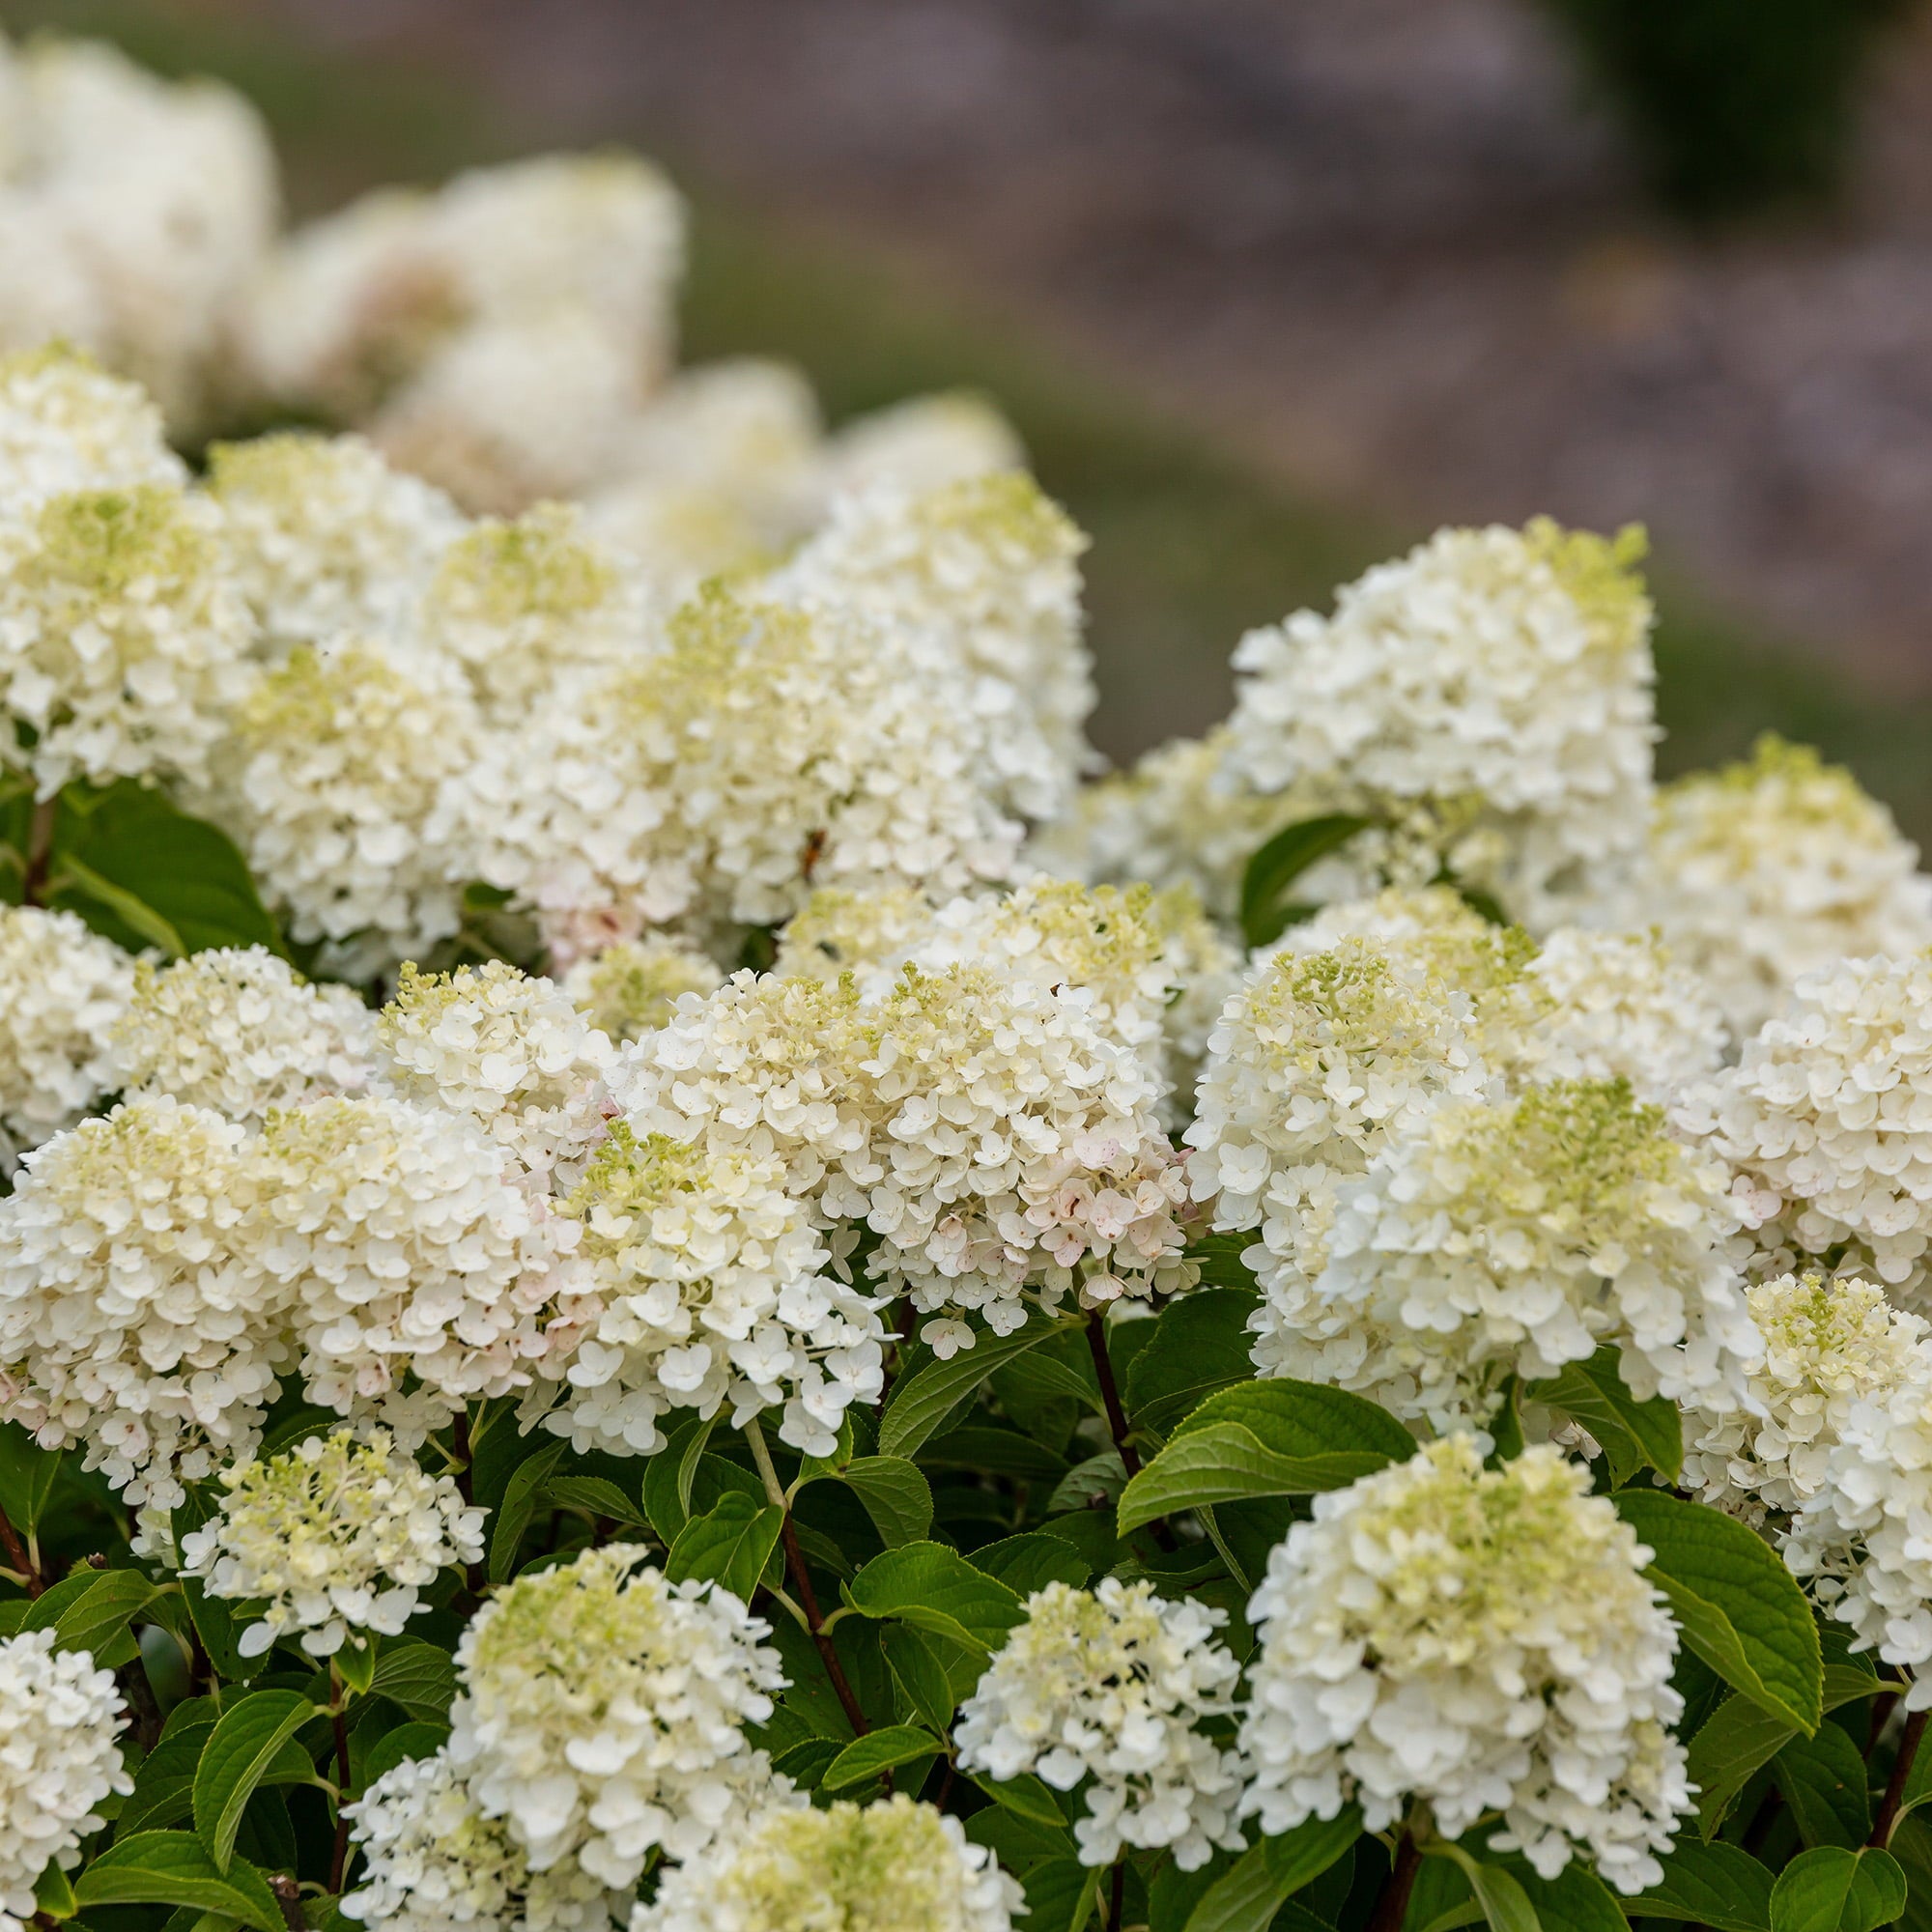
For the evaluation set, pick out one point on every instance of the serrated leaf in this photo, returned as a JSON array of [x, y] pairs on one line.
[[519, 1506], [728, 1545], [597, 1496], [27, 1473], [1574, 1900], [1499, 1892], [1730, 1746], [1822, 1780], [987, 1449], [1832, 1890], [1276, 864], [1736, 1603], [1032, 1561], [1911, 1845], [1634, 1434], [1717, 1885], [669, 1476], [877, 1751], [94, 1617], [896, 1496], [806, 1762], [1026, 1797], [922, 1401], [917, 1662], [53, 1894], [418, 1676], [173, 1868], [1200, 1344], [1060, 1894], [246, 1740], [934, 1587], [213, 1620], [1248, 1897]]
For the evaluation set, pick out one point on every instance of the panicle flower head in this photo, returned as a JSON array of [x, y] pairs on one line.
[[869, 934], [1773, 867], [135, 1316], [433, 1862], [922, 445], [1484, 1640], [68, 426], [1515, 1238], [711, 1283], [324, 537], [333, 1536], [58, 1759], [1111, 1684], [1500, 675], [1828, 1347], [122, 640], [239, 1030], [61, 988], [511, 1051], [895, 1867], [633, 987], [602, 1712], [1825, 1124]]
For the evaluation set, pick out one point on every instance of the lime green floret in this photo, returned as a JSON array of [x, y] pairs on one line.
[[1007, 508], [632, 1175], [538, 566], [1601, 576], [105, 540]]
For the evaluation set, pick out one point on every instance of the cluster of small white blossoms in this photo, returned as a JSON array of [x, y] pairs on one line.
[[433, 1862], [58, 1760], [1109, 1687], [132, 213], [984, 1129], [601, 1712], [893, 1867], [1483, 1641], [1775, 868], [61, 988], [1827, 1348], [335, 1536], [1825, 1124], [711, 1284], [238, 1031]]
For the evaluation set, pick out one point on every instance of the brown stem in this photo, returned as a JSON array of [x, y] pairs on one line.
[[458, 1442], [1110, 1394], [18, 1556], [39, 850], [338, 1863], [1883, 1706], [1901, 1772], [1117, 1895], [1392, 1907], [288, 1895]]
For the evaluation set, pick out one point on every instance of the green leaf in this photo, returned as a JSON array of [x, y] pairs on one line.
[[1832, 1890], [1276, 865], [1026, 1797], [935, 1589], [921, 1404], [1060, 1894], [1911, 1846], [1248, 1897], [27, 1473], [417, 1675], [394, 1748], [248, 1736], [896, 1496], [136, 869], [730, 1545], [53, 1894], [1730, 1746], [881, 1750], [1737, 1603], [96, 1616], [1504, 1902], [669, 1476], [919, 1665], [213, 1620], [1634, 1433], [597, 1496], [518, 1507], [1717, 1885], [1200, 1344], [987, 1449], [1822, 1780], [1030, 1562], [173, 1868], [1574, 1900]]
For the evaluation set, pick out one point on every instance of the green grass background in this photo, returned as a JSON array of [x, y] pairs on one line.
[[1191, 544]]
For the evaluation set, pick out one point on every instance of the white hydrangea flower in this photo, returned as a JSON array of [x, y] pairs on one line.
[[324, 537], [332, 1536], [433, 1862], [988, 570], [519, 603], [62, 990], [712, 1285], [870, 935], [239, 1030], [1501, 677], [1500, 1238], [602, 1712], [122, 640], [331, 777], [1481, 1640], [134, 1313], [66, 427], [633, 987], [1826, 1122], [422, 1275], [922, 445], [1828, 1345], [59, 1715], [1111, 1684], [512, 1052], [1773, 867], [893, 1867]]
